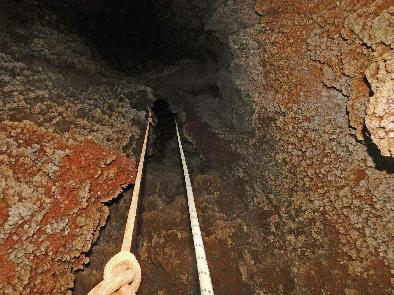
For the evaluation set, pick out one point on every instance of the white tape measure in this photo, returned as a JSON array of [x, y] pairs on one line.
[[202, 264]]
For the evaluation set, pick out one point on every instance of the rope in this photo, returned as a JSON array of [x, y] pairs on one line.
[[122, 273], [128, 235], [202, 264]]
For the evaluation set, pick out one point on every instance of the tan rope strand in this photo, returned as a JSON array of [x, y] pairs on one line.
[[122, 273], [128, 233]]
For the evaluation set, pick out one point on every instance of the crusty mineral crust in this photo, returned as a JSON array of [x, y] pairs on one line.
[[52, 78], [380, 111], [355, 44], [52, 188], [294, 205], [331, 178], [297, 203], [64, 128]]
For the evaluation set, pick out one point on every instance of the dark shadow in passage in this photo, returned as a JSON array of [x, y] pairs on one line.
[[382, 163]]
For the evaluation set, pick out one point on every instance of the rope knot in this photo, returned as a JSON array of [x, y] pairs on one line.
[[122, 276]]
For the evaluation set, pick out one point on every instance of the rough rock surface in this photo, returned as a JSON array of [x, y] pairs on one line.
[[337, 213], [380, 111], [52, 189], [356, 43], [280, 124], [52, 78], [292, 200], [64, 126]]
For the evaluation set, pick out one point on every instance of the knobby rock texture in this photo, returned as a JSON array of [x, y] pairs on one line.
[[65, 129], [52, 193], [287, 120]]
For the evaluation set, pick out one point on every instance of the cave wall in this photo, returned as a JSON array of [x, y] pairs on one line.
[[316, 59], [65, 128], [295, 190], [288, 105], [310, 179]]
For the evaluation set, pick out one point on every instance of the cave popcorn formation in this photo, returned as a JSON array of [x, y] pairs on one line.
[[286, 108]]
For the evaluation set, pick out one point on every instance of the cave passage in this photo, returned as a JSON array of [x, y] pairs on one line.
[[165, 46], [164, 129], [162, 192], [141, 38], [285, 110], [163, 196]]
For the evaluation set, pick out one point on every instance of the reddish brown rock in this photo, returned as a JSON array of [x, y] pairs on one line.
[[52, 193]]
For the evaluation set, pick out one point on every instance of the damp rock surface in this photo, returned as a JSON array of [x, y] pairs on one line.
[[285, 111]]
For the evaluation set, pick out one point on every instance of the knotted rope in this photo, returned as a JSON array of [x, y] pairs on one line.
[[122, 273]]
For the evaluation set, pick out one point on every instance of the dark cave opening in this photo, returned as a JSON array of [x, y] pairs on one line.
[[164, 129], [165, 45], [143, 39], [134, 35], [382, 163]]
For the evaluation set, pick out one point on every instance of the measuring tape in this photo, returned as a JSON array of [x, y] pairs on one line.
[[202, 264]]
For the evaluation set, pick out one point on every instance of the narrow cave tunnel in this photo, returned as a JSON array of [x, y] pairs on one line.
[[162, 185], [285, 114], [145, 39]]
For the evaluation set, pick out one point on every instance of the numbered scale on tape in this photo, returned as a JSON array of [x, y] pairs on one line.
[[202, 263]]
